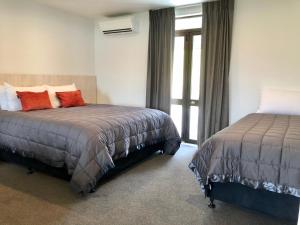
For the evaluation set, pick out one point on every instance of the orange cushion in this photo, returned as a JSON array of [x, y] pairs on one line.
[[34, 100], [70, 98]]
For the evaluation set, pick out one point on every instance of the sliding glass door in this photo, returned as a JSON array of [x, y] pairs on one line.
[[186, 83]]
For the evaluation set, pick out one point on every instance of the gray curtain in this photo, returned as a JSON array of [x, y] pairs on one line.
[[160, 58], [215, 62]]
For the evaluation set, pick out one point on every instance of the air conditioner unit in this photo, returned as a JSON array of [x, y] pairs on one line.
[[118, 25]]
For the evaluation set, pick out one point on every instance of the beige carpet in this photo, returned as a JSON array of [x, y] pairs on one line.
[[159, 191]]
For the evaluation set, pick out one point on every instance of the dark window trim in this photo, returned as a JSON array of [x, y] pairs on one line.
[[186, 32], [186, 101], [188, 17]]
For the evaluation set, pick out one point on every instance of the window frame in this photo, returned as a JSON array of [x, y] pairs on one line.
[[186, 101]]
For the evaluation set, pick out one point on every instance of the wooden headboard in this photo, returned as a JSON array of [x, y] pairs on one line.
[[87, 84]]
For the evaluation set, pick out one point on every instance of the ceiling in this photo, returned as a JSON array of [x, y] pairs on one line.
[[94, 8]]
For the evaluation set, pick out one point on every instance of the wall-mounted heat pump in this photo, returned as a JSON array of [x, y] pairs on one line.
[[118, 25]]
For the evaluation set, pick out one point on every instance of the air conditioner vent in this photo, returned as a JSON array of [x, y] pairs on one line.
[[117, 25]]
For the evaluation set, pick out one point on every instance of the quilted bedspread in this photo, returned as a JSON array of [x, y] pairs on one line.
[[86, 140], [261, 151]]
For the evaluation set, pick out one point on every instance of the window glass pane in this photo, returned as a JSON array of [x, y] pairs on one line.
[[194, 110], [188, 23], [188, 10], [176, 115], [196, 63], [177, 78]]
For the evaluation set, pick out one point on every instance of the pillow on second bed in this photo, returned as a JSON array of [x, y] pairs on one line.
[[278, 101]]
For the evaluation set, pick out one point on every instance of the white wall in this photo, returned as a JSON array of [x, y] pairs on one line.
[[36, 39], [265, 53], [121, 65]]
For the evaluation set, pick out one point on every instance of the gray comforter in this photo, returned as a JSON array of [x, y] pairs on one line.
[[86, 140], [260, 151]]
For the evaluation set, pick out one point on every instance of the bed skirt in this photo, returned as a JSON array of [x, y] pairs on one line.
[[281, 206], [120, 165]]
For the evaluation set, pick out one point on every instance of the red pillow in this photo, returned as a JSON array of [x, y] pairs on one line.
[[34, 100], [70, 98]]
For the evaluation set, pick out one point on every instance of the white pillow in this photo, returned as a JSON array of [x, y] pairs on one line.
[[278, 101], [13, 103], [52, 93], [3, 101]]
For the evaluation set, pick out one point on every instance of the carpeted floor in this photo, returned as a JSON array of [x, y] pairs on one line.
[[159, 191]]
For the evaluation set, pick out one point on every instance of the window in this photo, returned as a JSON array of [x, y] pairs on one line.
[[188, 23], [186, 76]]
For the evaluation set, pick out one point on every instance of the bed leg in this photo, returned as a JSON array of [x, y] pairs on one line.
[[208, 193], [211, 203], [93, 190], [30, 171]]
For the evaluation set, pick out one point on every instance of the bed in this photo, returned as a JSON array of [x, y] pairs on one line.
[[254, 163], [82, 144]]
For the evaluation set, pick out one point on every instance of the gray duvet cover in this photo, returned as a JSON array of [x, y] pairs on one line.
[[261, 151], [86, 140]]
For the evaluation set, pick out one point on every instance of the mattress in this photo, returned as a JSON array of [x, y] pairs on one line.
[[261, 151], [86, 140]]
